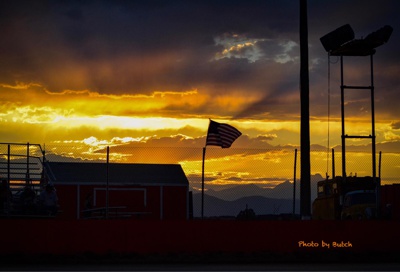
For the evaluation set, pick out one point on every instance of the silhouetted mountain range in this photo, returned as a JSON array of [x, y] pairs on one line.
[[264, 201], [214, 206], [282, 190]]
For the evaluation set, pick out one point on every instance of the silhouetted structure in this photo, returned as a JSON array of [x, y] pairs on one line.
[[349, 197], [246, 214], [153, 191], [305, 175]]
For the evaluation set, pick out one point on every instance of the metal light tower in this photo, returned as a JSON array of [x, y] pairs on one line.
[[341, 42]]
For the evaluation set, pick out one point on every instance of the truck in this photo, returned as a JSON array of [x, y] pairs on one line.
[[356, 198]]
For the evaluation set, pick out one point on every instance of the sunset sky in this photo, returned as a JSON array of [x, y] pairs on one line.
[[151, 73]]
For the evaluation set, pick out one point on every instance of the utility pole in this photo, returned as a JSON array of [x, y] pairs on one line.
[[305, 188]]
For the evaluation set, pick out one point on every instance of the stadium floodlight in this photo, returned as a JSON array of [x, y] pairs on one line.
[[380, 36], [333, 40], [341, 42]]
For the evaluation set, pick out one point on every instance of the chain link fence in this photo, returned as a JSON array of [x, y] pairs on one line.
[[235, 180]]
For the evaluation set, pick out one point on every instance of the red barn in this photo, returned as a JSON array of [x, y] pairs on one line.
[[148, 191]]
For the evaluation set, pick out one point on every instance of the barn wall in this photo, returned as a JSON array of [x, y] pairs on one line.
[[175, 202], [154, 202], [151, 202]]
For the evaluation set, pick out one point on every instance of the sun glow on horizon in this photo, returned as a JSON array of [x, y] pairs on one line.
[[142, 81]]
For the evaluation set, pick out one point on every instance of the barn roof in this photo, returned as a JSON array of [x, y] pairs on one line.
[[118, 173]]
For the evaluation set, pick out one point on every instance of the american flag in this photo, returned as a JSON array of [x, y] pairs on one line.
[[222, 135]]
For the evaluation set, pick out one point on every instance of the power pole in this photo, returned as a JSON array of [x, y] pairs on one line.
[[305, 188]]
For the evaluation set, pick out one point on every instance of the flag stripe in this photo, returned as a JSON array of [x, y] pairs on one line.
[[222, 135]]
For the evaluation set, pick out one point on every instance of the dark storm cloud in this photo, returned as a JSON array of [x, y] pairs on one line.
[[63, 36], [146, 46], [364, 17]]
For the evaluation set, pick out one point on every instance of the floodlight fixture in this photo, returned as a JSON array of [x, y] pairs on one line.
[[333, 40], [380, 36], [341, 42]]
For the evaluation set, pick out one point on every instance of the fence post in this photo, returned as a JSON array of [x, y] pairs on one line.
[[107, 169], [294, 182]]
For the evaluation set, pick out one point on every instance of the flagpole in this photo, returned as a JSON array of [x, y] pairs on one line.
[[202, 184], [218, 134]]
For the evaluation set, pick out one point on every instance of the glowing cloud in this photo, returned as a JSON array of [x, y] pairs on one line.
[[238, 46]]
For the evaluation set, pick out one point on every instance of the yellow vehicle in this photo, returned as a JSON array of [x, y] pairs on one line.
[[359, 205], [349, 198], [327, 204]]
